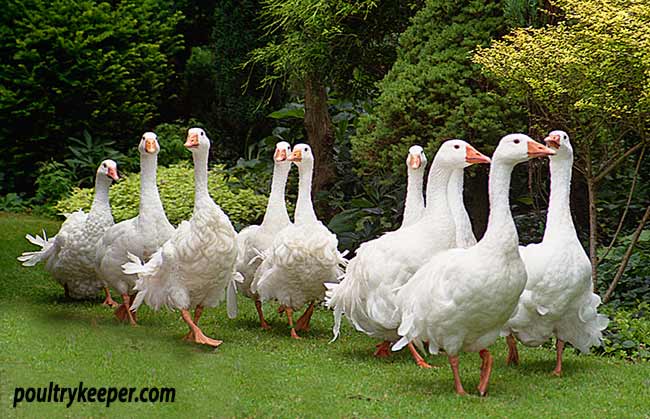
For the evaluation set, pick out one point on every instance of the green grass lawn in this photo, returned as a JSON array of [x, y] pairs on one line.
[[257, 373]]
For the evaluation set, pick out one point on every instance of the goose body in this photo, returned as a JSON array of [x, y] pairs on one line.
[[303, 256], [464, 234], [70, 255], [195, 266], [558, 299], [254, 240], [141, 236], [461, 298], [367, 292]]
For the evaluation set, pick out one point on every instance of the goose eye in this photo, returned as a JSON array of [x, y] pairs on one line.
[[456, 146], [143, 137], [202, 133], [517, 141]]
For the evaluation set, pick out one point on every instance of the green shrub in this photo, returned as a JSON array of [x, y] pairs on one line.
[[628, 333], [176, 187], [53, 182]]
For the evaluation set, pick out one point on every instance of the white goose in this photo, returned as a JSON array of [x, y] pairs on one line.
[[194, 267], [416, 163], [558, 299], [253, 240], [367, 293], [70, 255], [464, 234], [141, 236], [303, 256], [461, 298]]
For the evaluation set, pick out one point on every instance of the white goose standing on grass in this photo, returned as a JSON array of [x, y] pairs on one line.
[[70, 255], [367, 292], [461, 298], [303, 257], [558, 299], [253, 240], [416, 163], [196, 265], [141, 236]]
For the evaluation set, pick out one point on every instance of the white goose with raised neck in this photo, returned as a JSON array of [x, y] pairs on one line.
[[150, 204], [414, 202], [464, 233], [101, 207], [276, 209], [559, 223], [304, 159]]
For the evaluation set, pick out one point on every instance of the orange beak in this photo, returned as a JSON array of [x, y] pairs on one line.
[[280, 154], [553, 141], [295, 156], [473, 156], [415, 161], [192, 141], [150, 145], [535, 149], [112, 173]]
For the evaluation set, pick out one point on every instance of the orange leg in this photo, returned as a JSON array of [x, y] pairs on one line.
[[453, 361], [197, 334], [417, 357], [260, 313], [558, 362], [486, 371], [513, 354], [383, 349], [289, 312], [281, 309], [123, 312], [303, 321], [197, 315], [108, 301]]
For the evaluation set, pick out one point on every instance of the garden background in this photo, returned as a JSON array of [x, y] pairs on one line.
[[362, 81]]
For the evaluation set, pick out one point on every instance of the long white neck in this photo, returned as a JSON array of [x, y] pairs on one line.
[[437, 203], [414, 202], [464, 234], [276, 209], [101, 203], [201, 194], [150, 203], [558, 218], [501, 227], [304, 208]]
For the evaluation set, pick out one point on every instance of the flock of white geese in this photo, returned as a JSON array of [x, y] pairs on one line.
[[429, 284]]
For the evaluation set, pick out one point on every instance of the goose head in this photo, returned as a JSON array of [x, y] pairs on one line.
[[416, 158], [517, 148], [197, 140], [302, 156], [559, 141], [108, 168], [282, 153], [458, 154], [149, 143]]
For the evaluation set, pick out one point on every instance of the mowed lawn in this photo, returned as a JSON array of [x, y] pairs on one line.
[[256, 373]]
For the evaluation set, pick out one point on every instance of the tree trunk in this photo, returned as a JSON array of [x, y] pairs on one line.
[[593, 222], [320, 132]]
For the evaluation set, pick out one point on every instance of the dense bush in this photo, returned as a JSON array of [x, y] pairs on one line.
[[628, 333], [434, 91], [634, 285], [176, 187], [66, 66]]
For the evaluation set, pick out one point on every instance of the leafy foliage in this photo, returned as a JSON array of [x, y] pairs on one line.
[[634, 285], [54, 181], [434, 91], [68, 66], [87, 154], [628, 333], [176, 189]]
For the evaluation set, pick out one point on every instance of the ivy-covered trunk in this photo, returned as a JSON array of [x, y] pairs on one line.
[[320, 132]]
